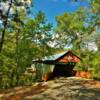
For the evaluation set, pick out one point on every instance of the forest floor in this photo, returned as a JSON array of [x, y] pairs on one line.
[[62, 88]]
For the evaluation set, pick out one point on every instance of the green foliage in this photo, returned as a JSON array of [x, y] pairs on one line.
[[23, 43], [27, 39], [90, 62], [77, 29]]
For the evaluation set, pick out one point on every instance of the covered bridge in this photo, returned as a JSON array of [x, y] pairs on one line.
[[63, 63]]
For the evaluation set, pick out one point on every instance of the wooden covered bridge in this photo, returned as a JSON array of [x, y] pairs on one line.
[[63, 63]]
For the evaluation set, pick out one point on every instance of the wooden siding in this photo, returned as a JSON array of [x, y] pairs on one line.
[[69, 57]]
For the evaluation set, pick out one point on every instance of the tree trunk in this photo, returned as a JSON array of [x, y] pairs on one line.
[[5, 26]]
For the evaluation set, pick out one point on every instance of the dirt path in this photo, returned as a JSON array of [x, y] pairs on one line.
[[71, 88]]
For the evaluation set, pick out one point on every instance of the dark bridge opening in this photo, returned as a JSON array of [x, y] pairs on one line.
[[63, 69]]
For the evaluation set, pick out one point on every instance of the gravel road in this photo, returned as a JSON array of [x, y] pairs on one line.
[[71, 88]]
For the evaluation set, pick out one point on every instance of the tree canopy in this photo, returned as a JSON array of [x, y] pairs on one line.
[[23, 39]]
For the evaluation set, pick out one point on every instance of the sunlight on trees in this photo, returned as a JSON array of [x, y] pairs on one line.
[[23, 39]]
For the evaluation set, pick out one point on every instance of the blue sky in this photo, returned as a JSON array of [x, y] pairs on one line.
[[52, 8]]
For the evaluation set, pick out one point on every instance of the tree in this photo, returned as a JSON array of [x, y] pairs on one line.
[[11, 12], [77, 26], [72, 27], [80, 28], [23, 43], [38, 34], [12, 18]]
